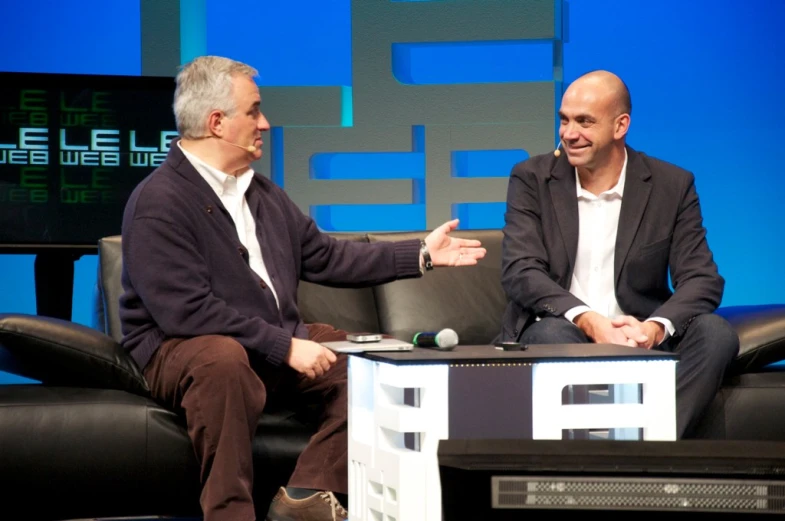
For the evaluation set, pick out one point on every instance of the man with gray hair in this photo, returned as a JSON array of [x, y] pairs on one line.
[[212, 256]]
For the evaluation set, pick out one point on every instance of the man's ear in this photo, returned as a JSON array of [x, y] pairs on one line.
[[621, 126], [215, 123]]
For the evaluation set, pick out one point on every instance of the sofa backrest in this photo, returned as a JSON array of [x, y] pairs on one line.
[[469, 300], [343, 308]]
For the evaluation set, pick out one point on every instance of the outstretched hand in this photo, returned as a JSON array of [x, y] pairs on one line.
[[449, 251]]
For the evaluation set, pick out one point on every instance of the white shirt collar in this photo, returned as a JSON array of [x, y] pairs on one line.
[[219, 181]]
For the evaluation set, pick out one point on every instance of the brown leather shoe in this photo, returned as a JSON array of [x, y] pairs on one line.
[[321, 506]]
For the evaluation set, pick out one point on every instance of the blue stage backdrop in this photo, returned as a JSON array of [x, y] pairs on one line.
[[398, 115]]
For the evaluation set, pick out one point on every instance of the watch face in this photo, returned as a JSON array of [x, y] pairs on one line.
[[426, 255]]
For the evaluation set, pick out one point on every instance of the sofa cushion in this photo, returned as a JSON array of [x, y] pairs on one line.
[[747, 407], [59, 352], [761, 331], [469, 300]]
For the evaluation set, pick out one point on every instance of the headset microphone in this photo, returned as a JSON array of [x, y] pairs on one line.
[[250, 148], [557, 152]]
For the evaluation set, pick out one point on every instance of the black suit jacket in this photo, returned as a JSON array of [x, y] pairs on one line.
[[660, 229]]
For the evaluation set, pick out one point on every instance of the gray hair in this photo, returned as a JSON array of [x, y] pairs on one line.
[[204, 85]]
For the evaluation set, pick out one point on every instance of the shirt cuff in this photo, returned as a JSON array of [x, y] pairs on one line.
[[669, 329], [574, 312]]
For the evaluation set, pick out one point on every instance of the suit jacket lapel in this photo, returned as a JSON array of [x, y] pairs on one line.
[[633, 204], [564, 197]]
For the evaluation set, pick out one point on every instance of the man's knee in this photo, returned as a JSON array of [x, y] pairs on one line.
[[717, 331], [208, 373], [553, 330], [223, 362], [222, 355], [717, 335]]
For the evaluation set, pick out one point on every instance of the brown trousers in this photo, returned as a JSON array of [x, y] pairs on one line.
[[222, 393]]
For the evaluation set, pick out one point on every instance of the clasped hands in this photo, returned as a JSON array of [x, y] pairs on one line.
[[623, 330]]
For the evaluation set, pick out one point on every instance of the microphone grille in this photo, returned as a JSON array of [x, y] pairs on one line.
[[557, 152], [447, 338]]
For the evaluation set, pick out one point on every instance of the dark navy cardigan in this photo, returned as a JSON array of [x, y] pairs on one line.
[[186, 273]]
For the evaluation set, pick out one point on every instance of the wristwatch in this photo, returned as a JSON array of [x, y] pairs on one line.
[[426, 256]]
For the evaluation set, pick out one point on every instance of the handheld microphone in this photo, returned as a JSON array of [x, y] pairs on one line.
[[557, 152], [443, 340], [250, 148]]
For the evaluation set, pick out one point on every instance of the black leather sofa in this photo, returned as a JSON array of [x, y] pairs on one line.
[[88, 441]]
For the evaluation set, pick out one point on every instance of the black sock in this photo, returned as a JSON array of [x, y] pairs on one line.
[[300, 493]]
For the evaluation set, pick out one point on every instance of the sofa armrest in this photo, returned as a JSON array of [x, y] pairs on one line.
[[62, 353], [761, 330]]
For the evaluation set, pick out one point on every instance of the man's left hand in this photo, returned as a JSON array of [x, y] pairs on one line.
[[646, 334], [449, 251]]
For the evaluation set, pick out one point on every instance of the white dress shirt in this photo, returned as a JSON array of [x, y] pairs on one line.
[[231, 191], [592, 280]]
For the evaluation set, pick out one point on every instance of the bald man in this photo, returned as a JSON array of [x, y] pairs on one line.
[[590, 238]]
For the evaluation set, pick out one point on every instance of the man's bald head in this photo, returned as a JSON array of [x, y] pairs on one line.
[[609, 85], [594, 120]]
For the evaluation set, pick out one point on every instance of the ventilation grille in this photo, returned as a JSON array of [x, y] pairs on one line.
[[714, 495]]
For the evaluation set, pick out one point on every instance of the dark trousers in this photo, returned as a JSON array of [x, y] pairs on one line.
[[705, 351], [222, 393]]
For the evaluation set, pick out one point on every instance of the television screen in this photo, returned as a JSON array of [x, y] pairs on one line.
[[72, 148]]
